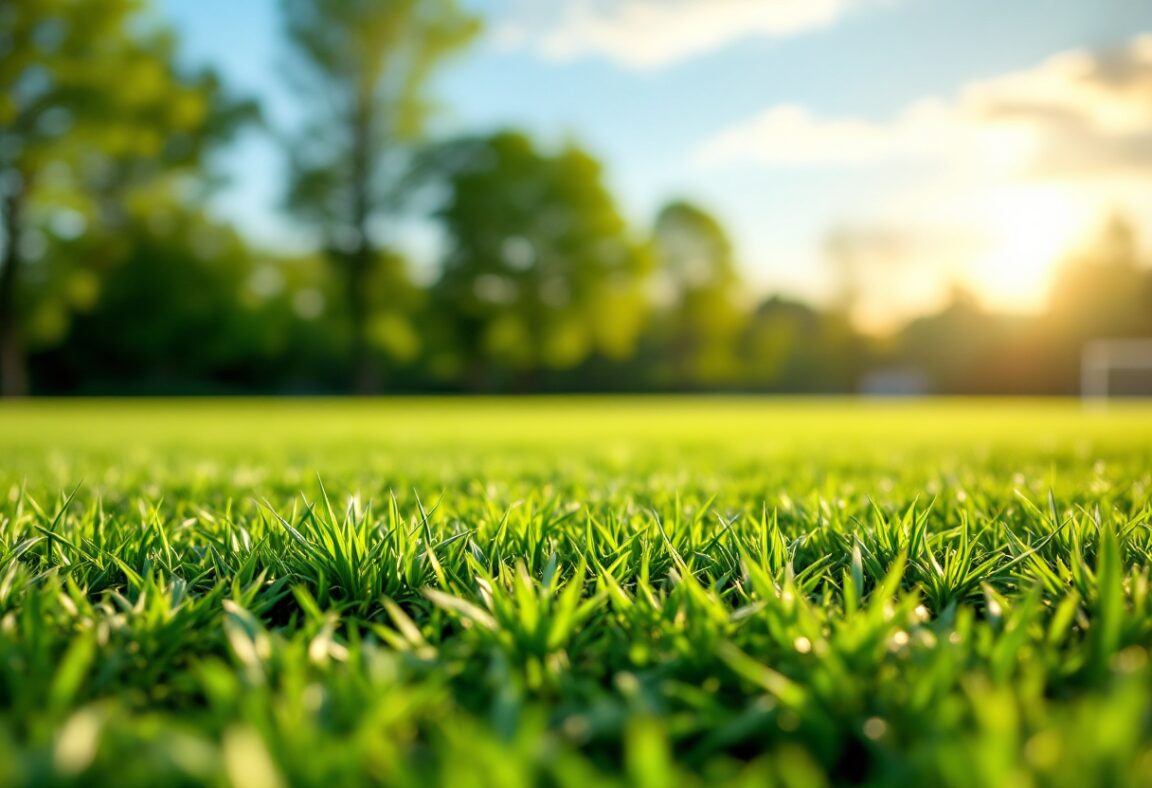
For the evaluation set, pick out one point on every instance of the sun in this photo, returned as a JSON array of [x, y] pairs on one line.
[[1029, 229]]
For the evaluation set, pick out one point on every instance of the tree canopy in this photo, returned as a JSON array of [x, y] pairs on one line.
[[698, 289], [540, 268], [97, 122]]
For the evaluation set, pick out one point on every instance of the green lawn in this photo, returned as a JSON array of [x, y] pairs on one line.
[[575, 592]]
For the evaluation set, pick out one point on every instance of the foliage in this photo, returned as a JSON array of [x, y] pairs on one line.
[[540, 269], [621, 592], [699, 289], [237, 325], [185, 304], [790, 346], [97, 123]]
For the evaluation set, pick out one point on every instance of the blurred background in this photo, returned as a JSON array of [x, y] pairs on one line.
[[889, 197]]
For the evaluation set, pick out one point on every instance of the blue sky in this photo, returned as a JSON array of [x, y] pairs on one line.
[[787, 118]]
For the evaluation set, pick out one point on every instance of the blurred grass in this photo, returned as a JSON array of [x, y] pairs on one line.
[[557, 422], [575, 591]]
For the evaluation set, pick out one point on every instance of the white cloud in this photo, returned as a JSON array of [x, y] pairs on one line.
[[1077, 113], [1010, 174], [651, 33], [792, 135]]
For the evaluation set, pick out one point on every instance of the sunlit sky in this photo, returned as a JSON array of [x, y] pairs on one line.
[[947, 141]]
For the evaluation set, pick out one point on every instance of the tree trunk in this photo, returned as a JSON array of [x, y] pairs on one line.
[[365, 374], [13, 365]]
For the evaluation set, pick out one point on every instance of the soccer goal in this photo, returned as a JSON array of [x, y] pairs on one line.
[[1112, 368]]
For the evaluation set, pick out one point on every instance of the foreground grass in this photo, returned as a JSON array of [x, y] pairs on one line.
[[641, 592]]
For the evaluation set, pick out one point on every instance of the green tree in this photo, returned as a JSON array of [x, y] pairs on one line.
[[698, 290], [362, 68], [96, 119], [540, 269], [789, 346], [181, 281], [1102, 291]]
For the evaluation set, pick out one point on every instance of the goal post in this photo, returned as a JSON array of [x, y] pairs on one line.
[[1104, 360]]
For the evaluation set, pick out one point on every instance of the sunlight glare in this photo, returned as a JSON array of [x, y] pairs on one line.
[[1030, 228]]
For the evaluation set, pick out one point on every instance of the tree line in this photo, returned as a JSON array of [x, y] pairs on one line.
[[117, 279]]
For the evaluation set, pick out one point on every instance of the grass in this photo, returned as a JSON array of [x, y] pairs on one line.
[[575, 592]]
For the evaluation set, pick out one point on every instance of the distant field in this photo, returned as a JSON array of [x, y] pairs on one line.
[[574, 592]]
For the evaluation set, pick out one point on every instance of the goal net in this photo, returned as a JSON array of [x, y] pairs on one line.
[[1112, 368]]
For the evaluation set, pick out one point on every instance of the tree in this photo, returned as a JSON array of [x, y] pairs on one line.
[[362, 68], [92, 109], [540, 269], [169, 316], [1104, 289], [788, 346], [699, 290]]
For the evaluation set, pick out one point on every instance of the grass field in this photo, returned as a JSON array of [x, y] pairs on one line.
[[575, 592]]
